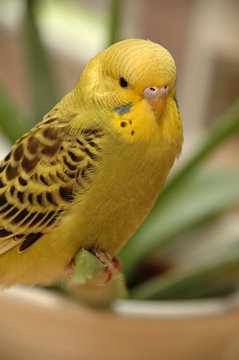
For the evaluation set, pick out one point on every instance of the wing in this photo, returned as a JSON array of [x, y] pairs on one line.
[[40, 178]]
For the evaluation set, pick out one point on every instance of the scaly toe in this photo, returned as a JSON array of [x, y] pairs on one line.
[[110, 263], [117, 264]]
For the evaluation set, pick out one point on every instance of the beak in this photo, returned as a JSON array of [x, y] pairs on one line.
[[156, 97]]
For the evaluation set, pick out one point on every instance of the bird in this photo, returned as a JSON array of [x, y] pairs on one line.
[[87, 175]]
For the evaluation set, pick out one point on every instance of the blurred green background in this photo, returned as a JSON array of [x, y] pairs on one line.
[[188, 247]]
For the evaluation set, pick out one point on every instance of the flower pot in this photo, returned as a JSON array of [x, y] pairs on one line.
[[37, 324]]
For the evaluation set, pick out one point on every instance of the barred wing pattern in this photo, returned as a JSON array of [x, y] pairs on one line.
[[40, 178]]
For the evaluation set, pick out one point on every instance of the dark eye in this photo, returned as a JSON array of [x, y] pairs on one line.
[[123, 82]]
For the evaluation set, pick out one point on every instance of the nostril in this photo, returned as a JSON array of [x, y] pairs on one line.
[[153, 92], [166, 88]]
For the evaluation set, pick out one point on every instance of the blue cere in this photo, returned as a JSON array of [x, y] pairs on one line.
[[123, 109]]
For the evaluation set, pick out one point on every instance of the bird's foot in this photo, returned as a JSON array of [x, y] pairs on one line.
[[110, 264]]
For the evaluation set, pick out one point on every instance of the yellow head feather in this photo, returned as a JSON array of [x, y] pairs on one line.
[[142, 63]]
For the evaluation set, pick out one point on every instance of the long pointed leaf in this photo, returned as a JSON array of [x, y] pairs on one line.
[[211, 279], [42, 80], [12, 123], [114, 24], [194, 200]]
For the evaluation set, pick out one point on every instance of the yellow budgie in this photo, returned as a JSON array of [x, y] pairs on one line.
[[88, 174]]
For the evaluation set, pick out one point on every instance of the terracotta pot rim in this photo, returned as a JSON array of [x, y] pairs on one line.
[[135, 308]]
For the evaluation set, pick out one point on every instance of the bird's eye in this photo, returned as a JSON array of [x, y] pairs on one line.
[[123, 82]]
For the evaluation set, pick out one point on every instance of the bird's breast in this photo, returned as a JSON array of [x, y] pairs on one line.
[[122, 192]]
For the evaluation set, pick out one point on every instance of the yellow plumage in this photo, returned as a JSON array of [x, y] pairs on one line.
[[88, 174]]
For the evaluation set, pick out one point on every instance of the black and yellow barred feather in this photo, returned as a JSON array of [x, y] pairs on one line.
[[40, 177]]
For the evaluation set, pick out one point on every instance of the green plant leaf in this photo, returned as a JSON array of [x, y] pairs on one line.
[[197, 198], [87, 283], [86, 265], [12, 123], [211, 279], [114, 21], [98, 296], [42, 80]]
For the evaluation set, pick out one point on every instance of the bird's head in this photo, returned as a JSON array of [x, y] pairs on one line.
[[133, 81]]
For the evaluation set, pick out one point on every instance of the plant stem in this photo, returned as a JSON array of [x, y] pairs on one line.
[[12, 123], [42, 80], [114, 23]]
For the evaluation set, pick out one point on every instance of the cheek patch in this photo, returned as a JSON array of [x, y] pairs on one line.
[[123, 109]]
